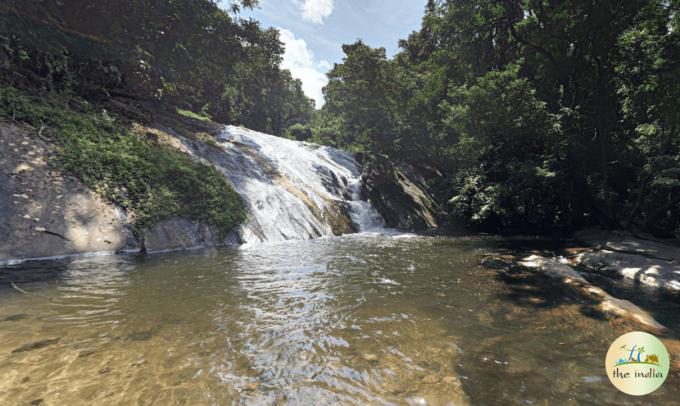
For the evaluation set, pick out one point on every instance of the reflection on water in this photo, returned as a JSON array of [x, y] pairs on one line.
[[352, 320]]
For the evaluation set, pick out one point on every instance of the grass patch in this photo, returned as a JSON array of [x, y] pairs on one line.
[[150, 180], [195, 116]]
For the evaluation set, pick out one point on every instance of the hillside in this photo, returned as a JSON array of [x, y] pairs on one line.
[[68, 189]]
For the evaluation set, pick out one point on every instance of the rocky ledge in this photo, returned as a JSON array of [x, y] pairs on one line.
[[600, 301], [648, 264], [47, 214], [399, 194]]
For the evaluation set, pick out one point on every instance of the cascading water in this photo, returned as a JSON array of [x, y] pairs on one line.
[[293, 190], [363, 212]]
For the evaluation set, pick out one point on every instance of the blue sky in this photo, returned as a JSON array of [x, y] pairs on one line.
[[314, 30]]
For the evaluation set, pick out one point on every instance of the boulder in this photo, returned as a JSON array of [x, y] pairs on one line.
[[498, 261]]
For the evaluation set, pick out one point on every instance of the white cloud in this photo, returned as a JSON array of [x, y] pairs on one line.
[[316, 10], [299, 59], [325, 65]]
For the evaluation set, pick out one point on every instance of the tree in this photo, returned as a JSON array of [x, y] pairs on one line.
[[507, 166], [362, 100], [181, 53], [540, 113]]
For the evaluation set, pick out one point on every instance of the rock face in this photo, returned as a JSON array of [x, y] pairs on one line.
[[293, 190], [399, 194], [46, 214], [178, 233]]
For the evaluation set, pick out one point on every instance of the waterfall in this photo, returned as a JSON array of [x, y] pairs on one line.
[[363, 212], [293, 190]]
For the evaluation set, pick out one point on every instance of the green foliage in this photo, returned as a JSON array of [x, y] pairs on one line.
[[541, 113], [152, 181], [299, 132], [190, 54], [508, 136], [361, 97]]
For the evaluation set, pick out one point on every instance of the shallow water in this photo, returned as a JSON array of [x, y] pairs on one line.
[[380, 319]]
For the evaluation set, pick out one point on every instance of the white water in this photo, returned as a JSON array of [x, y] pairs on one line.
[[363, 213], [293, 190]]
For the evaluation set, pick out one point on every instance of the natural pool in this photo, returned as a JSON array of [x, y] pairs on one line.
[[368, 318]]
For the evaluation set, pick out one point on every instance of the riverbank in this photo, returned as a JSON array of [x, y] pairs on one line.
[[116, 177]]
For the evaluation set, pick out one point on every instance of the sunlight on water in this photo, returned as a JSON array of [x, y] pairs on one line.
[[368, 318]]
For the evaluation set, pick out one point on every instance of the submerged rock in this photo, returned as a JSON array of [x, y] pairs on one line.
[[16, 317], [452, 381], [251, 386], [431, 379], [369, 357], [554, 269], [140, 335], [86, 353], [36, 345], [498, 262], [138, 363]]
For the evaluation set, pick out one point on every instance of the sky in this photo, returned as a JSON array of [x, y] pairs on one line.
[[313, 31]]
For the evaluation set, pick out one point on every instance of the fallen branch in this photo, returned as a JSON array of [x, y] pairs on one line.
[[42, 127], [19, 289], [56, 235], [29, 293]]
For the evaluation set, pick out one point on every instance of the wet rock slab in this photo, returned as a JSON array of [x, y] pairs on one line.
[[648, 271], [629, 244], [606, 303], [603, 302], [400, 196], [140, 335]]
